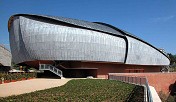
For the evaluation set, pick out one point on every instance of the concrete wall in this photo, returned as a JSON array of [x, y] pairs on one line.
[[161, 81]]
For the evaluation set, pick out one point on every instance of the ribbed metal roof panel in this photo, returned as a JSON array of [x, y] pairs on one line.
[[85, 24], [80, 23]]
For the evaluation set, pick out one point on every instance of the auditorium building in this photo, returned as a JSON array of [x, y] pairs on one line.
[[78, 48]]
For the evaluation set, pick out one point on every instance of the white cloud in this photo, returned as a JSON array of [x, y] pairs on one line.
[[163, 19]]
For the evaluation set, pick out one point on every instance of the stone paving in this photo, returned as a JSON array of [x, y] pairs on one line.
[[26, 86]]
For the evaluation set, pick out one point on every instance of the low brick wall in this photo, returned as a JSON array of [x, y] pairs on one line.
[[161, 81]]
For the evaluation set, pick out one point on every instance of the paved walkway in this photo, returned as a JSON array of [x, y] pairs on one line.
[[155, 96], [26, 86]]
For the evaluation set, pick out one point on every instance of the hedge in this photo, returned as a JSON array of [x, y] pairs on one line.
[[8, 77]]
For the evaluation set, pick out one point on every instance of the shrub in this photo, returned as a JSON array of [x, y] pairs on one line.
[[17, 76], [167, 98], [13, 77]]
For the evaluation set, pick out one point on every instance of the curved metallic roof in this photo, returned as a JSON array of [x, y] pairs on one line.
[[98, 26], [132, 35], [80, 23]]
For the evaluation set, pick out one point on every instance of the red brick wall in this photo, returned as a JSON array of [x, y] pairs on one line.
[[36, 63], [105, 68], [161, 81]]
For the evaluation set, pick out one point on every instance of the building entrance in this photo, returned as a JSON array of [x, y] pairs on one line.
[[79, 73]]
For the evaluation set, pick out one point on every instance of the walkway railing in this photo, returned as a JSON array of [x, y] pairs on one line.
[[51, 68], [137, 81]]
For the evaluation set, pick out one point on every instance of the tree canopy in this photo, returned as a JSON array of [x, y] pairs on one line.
[[172, 58]]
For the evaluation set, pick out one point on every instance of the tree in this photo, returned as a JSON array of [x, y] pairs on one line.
[[172, 58], [15, 66], [172, 62]]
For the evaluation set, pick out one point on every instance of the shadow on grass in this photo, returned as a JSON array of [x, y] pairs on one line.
[[137, 94]]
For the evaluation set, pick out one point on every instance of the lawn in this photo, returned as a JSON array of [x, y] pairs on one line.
[[80, 90]]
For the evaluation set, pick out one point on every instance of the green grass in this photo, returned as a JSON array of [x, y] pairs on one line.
[[81, 90]]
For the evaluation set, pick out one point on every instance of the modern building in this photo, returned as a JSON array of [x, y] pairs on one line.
[[80, 48], [5, 59]]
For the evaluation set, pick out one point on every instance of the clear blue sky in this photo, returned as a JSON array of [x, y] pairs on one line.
[[151, 20]]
